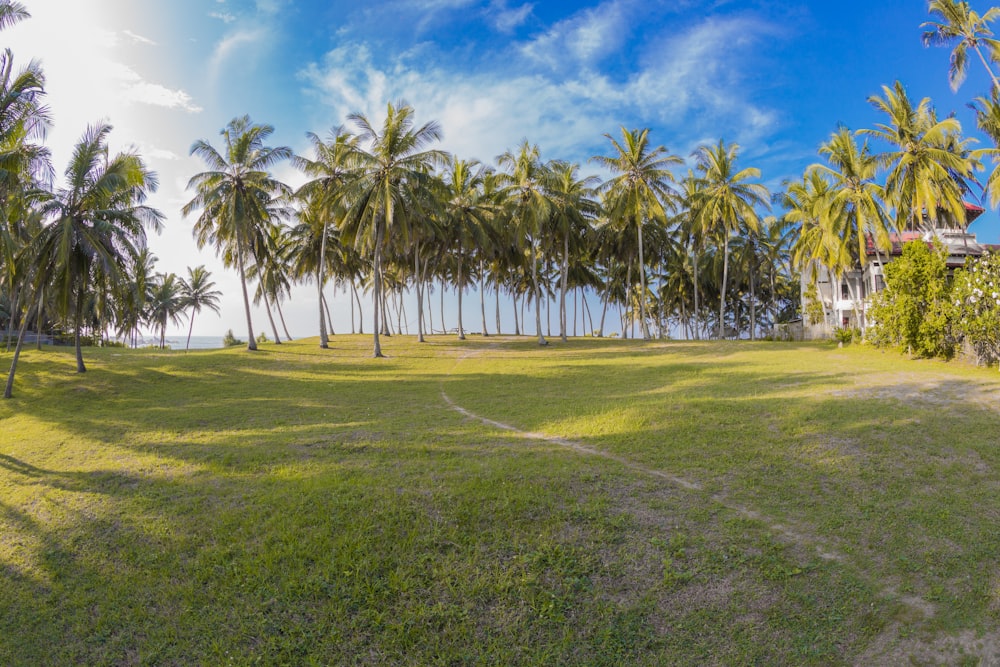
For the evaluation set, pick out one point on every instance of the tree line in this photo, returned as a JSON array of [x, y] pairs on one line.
[[697, 252]]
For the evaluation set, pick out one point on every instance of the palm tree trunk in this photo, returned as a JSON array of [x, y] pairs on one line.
[[460, 287], [565, 283], [996, 84], [377, 291], [354, 295], [329, 317], [576, 310], [187, 345], [482, 296], [753, 306], [38, 320], [697, 309], [497, 289], [722, 293], [281, 318], [251, 342], [604, 312], [643, 326], [324, 341], [420, 298], [80, 368], [538, 294], [270, 317], [517, 327], [443, 328], [8, 390], [586, 312]]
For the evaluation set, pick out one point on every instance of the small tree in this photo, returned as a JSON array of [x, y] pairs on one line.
[[976, 295], [913, 312]]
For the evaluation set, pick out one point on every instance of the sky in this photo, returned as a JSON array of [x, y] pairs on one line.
[[776, 77]]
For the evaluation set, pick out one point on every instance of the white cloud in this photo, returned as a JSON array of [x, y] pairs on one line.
[[506, 20], [225, 17], [586, 37], [138, 39]]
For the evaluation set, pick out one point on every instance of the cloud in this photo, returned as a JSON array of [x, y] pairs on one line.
[[136, 89], [584, 38], [505, 19], [138, 39], [225, 17], [685, 86]]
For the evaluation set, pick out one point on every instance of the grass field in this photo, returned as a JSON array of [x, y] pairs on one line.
[[493, 503]]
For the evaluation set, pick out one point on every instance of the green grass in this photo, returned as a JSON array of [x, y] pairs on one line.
[[299, 506]]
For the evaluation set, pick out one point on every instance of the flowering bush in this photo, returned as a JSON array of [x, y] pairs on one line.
[[976, 298]]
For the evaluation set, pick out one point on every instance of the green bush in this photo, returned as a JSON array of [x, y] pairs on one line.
[[976, 295], [229, 340]]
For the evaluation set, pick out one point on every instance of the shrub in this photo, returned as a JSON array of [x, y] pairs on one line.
[[976, 295], [229, 340]]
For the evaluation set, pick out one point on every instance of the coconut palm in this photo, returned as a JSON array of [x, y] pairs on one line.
[[239, 200], [98, 228], [966, 29], [639, 192], [855, 194], [166, 302], [467, 213], [524, 192], [12, 12], [199, 292], [329, 169], [929, 165], [390, 191], [727, 200], [573, 209]]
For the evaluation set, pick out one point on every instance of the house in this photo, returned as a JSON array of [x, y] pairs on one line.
[[844, 299]]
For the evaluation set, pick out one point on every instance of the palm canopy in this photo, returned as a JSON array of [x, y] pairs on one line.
[[640, 190], [389, 193], [929, 165], [726, 200], [855, 195], [12, 12], [99, 224], [238, 198], [966, 29]]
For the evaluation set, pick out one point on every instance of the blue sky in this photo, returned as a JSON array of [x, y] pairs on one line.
[[776, 77]]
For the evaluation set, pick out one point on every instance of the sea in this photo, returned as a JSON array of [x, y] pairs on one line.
[[178, 342]]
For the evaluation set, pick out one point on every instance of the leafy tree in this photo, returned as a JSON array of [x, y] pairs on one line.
[[976, 294], [238, 198], [966, 29], [389, 192], [199, 292], [98, 227], [639, 192], [913, 311]]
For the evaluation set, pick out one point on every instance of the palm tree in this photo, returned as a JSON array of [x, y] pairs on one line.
[[330, 170], [573, 209], [237, 197], [98, 228], [199, 292], [929, 166], [640, 191], [166, 302], [390, 190], [526, 195], [467, 214], [855, 194], [966, 29], [726, 200], [12, 12]]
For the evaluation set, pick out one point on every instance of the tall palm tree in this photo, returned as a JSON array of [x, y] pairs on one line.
[[524, 190], [330, 169], [639, 192], [467, 213], [237, 197], [855, 194], [929, 165], [572, 212], [12, 12], [99, 226], [390, 190], [726, 200], [199, 292], [166, 302], [966, 29]]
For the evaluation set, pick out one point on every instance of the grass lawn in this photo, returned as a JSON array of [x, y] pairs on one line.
[[488, 502]]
